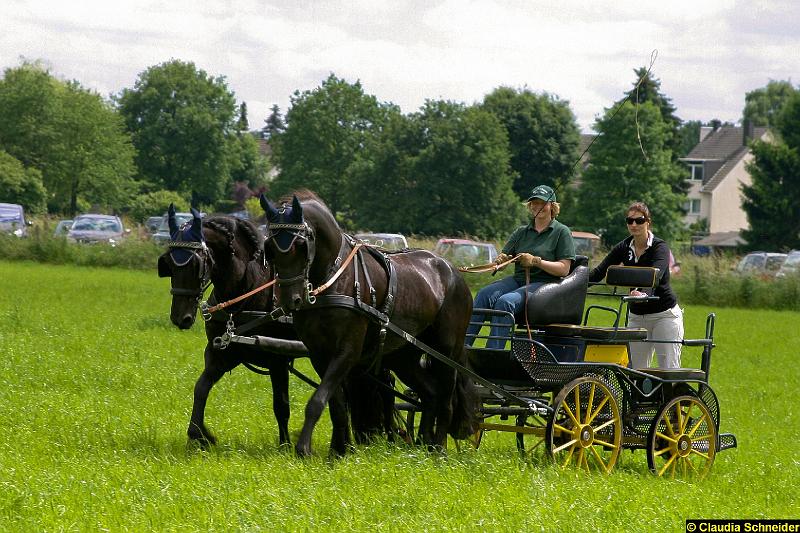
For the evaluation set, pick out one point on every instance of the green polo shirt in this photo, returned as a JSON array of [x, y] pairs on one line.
[[552, 244]]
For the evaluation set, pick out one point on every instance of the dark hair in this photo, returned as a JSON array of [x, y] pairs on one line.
[[642, 208]]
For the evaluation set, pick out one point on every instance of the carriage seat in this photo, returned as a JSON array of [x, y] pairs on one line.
[[595, 333], [560, 302]]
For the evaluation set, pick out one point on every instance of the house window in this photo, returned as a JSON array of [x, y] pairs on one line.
[[696, 171], [692, 206]]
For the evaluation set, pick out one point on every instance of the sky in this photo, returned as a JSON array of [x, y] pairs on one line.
[[709, 53]]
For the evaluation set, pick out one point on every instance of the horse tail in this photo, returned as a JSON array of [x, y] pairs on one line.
[[465, 409]]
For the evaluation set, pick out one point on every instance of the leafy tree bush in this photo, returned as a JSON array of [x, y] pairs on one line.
[[22, 185], [763, 105], [770, 201], [621, 172], [156, 203], [181, 120], [542, 134], [71, 135]]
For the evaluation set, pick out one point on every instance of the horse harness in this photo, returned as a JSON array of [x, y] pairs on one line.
[[197, 250]]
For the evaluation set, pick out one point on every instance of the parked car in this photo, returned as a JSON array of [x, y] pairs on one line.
[[92, 228], [766, 263], [162, 235], [464, 252], [12, 220], [388, 241], [152, 224], [791, 266], [62, 228], [585, 243]]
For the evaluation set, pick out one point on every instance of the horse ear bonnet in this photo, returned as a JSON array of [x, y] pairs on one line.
[[190, 232]]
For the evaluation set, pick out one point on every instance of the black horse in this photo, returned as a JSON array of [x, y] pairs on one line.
[[228, 252], [432, 302]]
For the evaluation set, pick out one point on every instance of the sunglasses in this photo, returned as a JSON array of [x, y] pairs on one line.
[[637, 220]]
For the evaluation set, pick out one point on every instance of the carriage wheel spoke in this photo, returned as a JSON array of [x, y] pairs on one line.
[[577, 404], [604, 443], [571, 415], [666, 437], [697, 426], [661, 452], [565, 446], [604, 424], [669, 462], [599, 459], [562, 428], [704, 456], [599, 408], [568, 458], [679, 416], [591, 401], [691, 465]]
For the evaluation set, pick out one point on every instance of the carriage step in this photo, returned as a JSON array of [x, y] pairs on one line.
[[726, 441]]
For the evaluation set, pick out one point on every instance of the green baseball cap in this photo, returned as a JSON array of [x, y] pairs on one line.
[[542, 192]]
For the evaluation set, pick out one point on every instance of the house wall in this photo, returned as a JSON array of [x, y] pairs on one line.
[[705, 201], [726, 200]]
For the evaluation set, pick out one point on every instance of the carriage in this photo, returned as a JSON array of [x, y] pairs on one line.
[[563, 386]]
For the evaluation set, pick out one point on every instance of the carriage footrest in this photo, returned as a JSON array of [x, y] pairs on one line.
[[726, 441]]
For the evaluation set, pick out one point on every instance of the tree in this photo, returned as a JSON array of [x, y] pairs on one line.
[[762, 105], [648, 89], [71, 135], [443, 170], [180, 119], [22, 185], [325, 129], [273, 125], [770, 202], [543, 137], [689, 135], [242, 124], [620, 174]]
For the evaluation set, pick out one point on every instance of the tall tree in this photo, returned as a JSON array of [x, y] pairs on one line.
[[620, 173], [273, 125], [770, 202], [542, 133], [443, 170], [762, 105], [325, 129], [647, 88], [71, 135], [180, 118]]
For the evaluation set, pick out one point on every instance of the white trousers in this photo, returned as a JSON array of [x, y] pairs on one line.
[[664, 326]]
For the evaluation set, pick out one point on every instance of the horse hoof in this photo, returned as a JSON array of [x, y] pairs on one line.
[[302, 451], [203, 438]]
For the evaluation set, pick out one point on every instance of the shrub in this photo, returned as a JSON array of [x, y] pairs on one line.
[[156, 203]]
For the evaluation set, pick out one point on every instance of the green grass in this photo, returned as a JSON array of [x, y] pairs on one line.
[[97, 389]]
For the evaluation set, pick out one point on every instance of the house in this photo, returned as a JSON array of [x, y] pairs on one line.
[[716, 174]]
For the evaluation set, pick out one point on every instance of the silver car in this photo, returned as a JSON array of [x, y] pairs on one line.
[[93, 229], [12, 220], [387, 241]]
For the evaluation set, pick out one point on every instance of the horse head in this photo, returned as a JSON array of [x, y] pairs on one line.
[[290, 246], [188, 263]]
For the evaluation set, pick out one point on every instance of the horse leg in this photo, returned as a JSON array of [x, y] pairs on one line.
[[329, 389], [213, 371], [279, 376]]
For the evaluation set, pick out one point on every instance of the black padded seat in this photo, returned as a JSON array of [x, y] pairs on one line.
[[595, 332], [678, 374], [561, 301]]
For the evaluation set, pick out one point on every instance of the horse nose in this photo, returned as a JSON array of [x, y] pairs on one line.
[[186, 322], [297, 302]]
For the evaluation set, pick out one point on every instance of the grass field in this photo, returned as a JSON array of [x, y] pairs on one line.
[[97, 390]]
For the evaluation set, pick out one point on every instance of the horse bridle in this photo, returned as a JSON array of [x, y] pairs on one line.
[[297, 231], [200, 251]]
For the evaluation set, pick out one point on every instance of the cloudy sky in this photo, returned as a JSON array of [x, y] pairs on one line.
[[710, 52]]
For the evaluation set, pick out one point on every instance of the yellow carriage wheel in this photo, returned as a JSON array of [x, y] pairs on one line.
[[585, 429], [682, 439]]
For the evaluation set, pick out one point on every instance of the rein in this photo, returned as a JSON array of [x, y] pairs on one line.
[[488, 267], [209, 310], [339, 272]]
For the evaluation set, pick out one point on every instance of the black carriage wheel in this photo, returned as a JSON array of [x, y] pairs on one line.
[[585, 427], [682, 439]]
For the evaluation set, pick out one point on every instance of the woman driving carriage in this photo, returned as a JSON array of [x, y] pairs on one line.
[[544, 246], [662, 318]]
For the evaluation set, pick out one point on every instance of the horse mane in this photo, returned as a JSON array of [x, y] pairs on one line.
[[307, 197], [230, 227]]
